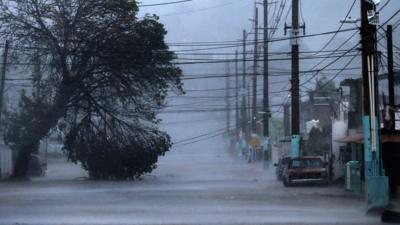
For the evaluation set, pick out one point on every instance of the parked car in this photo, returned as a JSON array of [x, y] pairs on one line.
[[280, 166], [305, 170]]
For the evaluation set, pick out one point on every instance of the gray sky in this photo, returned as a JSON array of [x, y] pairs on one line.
[[224, 20]]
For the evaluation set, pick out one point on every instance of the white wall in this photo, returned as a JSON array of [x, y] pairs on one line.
[[339, 130]]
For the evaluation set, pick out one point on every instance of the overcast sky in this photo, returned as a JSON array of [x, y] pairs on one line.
[[224, 20]]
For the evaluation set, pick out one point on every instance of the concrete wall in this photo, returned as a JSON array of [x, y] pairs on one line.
[[339, 130]]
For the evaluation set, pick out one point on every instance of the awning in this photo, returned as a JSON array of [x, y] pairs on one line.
[[359, 138], [351, 139], [391, 138]]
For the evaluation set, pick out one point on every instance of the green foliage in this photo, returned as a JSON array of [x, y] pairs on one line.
[[276, 128], [325, 87], [115, 154], [108, 70], [317, 143], [20, 124]]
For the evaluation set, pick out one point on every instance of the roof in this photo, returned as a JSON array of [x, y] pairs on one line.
[[391, 138], [359, 138]]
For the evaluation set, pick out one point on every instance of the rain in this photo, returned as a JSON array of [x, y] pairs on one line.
[[143, 112]]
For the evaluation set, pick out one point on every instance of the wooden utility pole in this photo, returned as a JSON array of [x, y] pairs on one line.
[[245, 124], [375, 182], [3, 76], [237, 125], [389, 35], [249, 112], [255, 65], [286, 119], [266, 110], [311, 102], [295, 91], [369, 67], [228, 105]]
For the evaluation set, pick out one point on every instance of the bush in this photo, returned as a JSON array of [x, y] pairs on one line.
[[116, 156]]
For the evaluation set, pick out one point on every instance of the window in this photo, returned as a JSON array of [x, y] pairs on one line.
[[307, 163], [314, 163], [299, 163]]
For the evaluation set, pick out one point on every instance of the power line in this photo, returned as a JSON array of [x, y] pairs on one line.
[[202, 139], [200, 10], [192, 56], [164, 3], [215, 45], [260, 60], [199, 136], [387, 2], [340, 27], [212, 110], [337, 74]]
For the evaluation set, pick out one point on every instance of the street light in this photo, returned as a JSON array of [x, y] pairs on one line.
[[349, 20]]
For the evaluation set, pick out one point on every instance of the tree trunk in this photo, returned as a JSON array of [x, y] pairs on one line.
[[21, 164], [32, 139], [34, 135]]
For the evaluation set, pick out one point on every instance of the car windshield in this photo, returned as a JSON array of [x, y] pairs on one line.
[[315, 163], [307, 163]]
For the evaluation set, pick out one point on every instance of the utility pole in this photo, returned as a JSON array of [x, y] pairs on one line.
[[376, 183], [249, 108], [255, 65], [237, 94], [245, 124], [266, 112], [295, 91], [295, 81], [311, 95], [389, 34], [3, 76], [286, 120], [228, 105]]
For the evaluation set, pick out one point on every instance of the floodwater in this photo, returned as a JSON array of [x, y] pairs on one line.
[[190, 186]]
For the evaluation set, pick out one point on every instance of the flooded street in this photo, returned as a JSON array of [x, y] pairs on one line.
[[185, 112], [196, 186]]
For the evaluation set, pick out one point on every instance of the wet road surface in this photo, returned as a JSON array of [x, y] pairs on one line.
[[190, 186]]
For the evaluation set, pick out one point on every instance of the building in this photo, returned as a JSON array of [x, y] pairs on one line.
[[390, 129]]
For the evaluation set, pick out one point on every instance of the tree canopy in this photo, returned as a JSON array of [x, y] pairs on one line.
[[325, 87], [110, 73]]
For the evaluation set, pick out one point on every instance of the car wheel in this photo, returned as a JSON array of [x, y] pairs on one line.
[[287, 182]]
